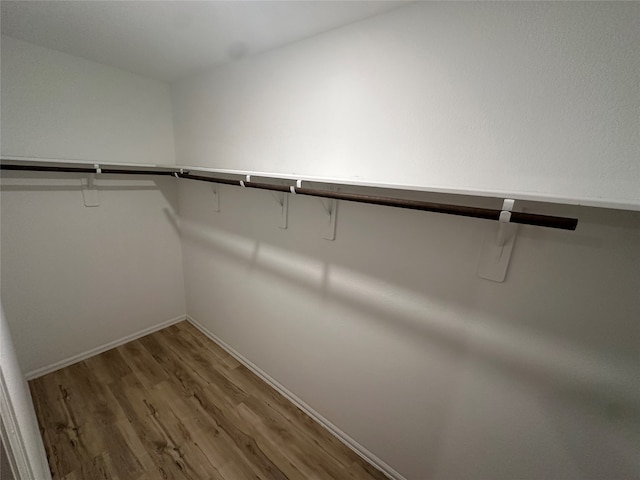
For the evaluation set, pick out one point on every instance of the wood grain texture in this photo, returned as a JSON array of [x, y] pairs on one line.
[[175, 405]]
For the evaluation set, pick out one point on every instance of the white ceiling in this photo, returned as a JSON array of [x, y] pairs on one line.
[[168, 40]]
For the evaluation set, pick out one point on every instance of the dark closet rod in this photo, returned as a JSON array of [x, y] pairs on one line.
[[562, 223], [118, 171]]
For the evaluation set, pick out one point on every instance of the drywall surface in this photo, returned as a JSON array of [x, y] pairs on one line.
[[55, 105], [18, 416], [75, 278], [535, 97], [389, 333]]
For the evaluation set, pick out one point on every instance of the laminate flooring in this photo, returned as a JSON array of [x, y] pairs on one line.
[[174, 405]]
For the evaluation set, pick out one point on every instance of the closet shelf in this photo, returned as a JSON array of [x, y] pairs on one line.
[[208, 175]]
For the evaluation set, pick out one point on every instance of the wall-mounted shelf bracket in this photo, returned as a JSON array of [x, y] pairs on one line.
[[90, 193], [331, 209], [283, 201], [497, 246], [216, 198]]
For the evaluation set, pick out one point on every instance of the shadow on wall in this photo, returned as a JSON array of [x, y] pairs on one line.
[[51, 182], [413, 275], [581, 372]]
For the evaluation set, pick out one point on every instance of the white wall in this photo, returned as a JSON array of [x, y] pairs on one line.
[[388, 332], [18, 418], [55, 105], [75, 278], [533, 97]]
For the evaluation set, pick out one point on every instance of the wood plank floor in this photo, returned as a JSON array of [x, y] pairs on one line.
[[174, 405]]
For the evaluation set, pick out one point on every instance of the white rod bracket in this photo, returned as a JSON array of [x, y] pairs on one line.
[[331, 209], [90, 193], [497, 246], [216, 198], [284, 211], [504, 221]]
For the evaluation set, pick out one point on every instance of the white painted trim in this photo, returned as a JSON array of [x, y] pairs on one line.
[[335, 431], [12, 436], [102, 348]]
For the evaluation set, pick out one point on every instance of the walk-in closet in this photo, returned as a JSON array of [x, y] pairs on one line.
[[320, 240]]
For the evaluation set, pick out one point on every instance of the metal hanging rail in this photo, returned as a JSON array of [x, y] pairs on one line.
[[548, 221]]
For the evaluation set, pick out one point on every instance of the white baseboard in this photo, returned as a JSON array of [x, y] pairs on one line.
[[102, 348], [335, 431]]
